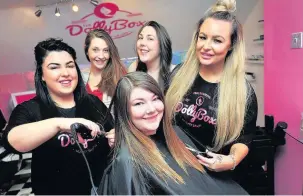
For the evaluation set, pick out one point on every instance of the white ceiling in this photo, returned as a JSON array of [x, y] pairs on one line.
[[8, 4], [21, 29]]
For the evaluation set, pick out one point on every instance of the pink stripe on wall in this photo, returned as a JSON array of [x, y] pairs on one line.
[[283, 80], [13, 83]]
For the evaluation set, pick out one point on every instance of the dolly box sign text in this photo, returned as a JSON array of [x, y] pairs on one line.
[[107, 16]]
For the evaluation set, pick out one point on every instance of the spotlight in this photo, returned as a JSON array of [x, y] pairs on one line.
[[38, 12], [57, 12], [75, 8], [94, 2]]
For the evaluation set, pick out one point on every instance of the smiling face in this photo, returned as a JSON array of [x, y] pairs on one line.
[[60, 74], [98, 53], [148, 47], [146, 110], [214, 41]]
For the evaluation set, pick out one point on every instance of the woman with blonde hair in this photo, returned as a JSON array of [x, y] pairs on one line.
[[214, 104], [150, 155]]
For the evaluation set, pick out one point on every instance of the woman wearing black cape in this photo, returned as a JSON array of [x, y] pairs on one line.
[[151, 156]]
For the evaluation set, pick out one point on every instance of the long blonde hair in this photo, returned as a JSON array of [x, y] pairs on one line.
[[233, 91], [143, 151]]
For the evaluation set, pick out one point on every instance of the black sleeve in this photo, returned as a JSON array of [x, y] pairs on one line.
[[109, 122], [250, 120], [104, 113], [19, 116]]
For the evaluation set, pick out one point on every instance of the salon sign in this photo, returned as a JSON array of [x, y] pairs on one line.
[[109, 17]]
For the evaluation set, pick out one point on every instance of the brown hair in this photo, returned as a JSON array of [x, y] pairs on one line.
[[166, 53], [114, 69], [142, 148]]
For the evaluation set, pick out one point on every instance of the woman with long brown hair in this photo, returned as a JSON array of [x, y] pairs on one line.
[[154, 51], [106, 68], [150, 156]]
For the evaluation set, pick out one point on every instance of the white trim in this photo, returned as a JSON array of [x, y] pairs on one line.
[[13, 96]]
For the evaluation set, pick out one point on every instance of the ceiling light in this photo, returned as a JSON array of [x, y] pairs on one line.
[[38, 12], [75, 8], [94, 2], [57, 12]]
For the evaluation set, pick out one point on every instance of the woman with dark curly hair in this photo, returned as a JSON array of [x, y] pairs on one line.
[[42, 125]]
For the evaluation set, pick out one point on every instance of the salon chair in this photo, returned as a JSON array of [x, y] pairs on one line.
[[256, 172]]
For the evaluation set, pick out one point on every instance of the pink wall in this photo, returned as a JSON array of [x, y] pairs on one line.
[[14, 83], [283, 80]]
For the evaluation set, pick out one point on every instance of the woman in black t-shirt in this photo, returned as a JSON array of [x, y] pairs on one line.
[[42, 125], [209, 95]]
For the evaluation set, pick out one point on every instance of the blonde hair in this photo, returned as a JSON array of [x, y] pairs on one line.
[[143, 150], [233, 91]]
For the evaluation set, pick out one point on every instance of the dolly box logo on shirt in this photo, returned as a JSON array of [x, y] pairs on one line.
[[107, 16]]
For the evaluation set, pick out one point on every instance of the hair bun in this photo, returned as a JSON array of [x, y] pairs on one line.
[[224, 6]]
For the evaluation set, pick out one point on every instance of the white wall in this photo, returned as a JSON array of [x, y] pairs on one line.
[[21, 29], [252, 30]]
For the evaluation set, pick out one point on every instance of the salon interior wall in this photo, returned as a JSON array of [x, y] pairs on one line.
[[252, 30], [283, 88], [21, 30]]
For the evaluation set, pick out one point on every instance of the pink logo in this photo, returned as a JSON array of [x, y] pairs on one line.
[[67, 140], [106, 10], [196, 114], [200, 101], [107, 16]]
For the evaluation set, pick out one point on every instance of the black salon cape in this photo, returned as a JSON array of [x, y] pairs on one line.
[[119, 179]]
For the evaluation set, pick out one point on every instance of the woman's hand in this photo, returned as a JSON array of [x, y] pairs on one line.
[[217, 162], [111, 137], [64, 124]]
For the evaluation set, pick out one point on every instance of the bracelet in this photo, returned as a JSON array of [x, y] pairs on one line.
[[232, 156]]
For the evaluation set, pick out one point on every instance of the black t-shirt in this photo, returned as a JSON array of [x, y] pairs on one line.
[[58, 166], [196, 115]]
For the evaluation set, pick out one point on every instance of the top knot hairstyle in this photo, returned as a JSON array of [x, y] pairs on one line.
[[233, 94], [224, 6]]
